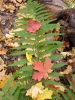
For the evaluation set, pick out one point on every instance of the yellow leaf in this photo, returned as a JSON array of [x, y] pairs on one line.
[[34, 90], [29, 57], [47, 94], [4, 81]]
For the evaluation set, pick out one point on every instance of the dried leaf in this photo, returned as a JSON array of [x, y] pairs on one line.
[[9, 7], [56, 78], [47, 94], [2, 65], [68, 70], [2, 74], [3, 51], [1, 1], [15, 1], [61, 88], [66, 53], [34, 90], [4, 81]]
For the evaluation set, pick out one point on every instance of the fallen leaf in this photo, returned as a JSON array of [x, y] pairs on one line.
[[66, 44], [15, 1], [10, 43], [9, 7], [2, 68], [56, 78], [3, 51], [42, 68], [2, 65], [34, 90], [61, 88], [66, 54], [29, 57], [2, 74], [68, 70], [19, 1], [4, 81], [33, 26], [47, 94], [1, 1]]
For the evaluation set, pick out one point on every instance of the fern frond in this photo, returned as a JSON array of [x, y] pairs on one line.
[[35, 43]]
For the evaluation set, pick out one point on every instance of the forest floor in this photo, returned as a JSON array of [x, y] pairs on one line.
[[8, 15]]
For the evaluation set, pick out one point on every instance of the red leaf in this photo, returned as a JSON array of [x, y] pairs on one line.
[[66, 44], [34, 26], [43, 69], [73, 81]]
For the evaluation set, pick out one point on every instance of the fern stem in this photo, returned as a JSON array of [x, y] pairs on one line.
[[37, 52]]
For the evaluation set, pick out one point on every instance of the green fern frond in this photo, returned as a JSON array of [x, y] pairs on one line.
[[37, 44]]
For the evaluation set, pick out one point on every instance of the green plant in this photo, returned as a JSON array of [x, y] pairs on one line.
[[33, 31]]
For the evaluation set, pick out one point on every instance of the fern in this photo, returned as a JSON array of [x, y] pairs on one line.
[[35, 44]]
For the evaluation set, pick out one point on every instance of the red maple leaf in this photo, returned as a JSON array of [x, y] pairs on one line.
[[42, 68], [33, 26]]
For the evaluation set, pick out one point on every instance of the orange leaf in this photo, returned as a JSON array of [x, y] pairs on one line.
[[4, 81], [3, 51], [43, 69]]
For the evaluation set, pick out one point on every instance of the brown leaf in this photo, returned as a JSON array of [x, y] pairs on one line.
[[2, 65], [19, 1], [68, 70], [3, 51], [61, 88], [1, 1], [15, 1]]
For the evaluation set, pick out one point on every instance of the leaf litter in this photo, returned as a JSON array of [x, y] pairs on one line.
[[8, 12]]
